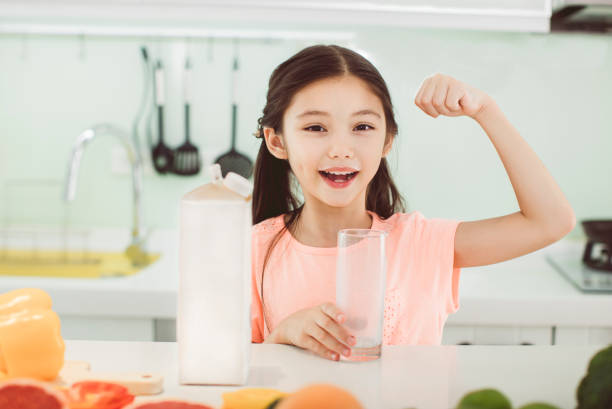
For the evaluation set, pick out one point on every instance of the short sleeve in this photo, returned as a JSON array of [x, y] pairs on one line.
[[257, 319], [432, 245], [440, 234], [422, 283]]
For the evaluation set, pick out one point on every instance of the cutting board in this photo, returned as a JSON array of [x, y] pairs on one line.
[[136, 383]]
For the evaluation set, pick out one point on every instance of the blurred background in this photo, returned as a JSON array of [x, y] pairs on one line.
[[71, 65]]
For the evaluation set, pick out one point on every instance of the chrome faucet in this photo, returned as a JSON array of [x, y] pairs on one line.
[[135, 251]]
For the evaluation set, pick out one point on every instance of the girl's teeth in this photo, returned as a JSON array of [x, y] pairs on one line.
[[339, 177]]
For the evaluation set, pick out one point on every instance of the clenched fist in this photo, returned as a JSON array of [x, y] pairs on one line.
[[444, 95]]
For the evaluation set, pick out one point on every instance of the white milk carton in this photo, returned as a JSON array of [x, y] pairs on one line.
[[214, 301]]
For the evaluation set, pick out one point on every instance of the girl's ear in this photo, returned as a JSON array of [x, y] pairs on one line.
[[275, 143], [388, 146]]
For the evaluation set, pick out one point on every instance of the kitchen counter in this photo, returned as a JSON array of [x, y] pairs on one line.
[[406, 376], [529, 291], [522, 291]]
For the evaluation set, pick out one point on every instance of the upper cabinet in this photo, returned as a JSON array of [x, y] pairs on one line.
[[195, 17]]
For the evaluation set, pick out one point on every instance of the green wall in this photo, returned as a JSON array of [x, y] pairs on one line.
[[555, 88]]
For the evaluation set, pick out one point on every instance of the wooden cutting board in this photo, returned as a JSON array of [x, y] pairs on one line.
[[136, 383]]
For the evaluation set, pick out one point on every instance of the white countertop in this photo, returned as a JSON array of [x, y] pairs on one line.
[[523, 291], [406, 376]]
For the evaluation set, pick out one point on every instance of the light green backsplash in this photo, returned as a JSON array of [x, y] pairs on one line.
[[556, 89]]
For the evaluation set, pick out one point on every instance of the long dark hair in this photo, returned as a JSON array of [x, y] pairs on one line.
[[274, 193]]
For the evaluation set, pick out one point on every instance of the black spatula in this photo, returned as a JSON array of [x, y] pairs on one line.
[[234, 161], [163, 156], [186, 156]]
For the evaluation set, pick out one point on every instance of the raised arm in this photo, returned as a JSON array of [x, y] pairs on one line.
[[545, 215]]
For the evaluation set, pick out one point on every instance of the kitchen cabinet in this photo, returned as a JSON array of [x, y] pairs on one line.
[[526, 335], [118, 328], [107, 328], [566, 335], [497, 335], [191, 17]]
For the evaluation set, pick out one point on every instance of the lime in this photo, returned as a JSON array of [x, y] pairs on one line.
[[538, 405], [484, 399]]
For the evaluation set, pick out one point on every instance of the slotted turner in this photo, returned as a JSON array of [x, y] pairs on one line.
[[186, 156]]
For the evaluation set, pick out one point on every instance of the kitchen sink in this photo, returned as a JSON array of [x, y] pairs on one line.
[[71, 264]]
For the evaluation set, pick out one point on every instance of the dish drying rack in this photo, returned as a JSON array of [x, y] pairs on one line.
[[45, 245], [35, 228]]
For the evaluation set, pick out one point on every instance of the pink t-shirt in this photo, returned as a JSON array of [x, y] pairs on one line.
[[422, 285]]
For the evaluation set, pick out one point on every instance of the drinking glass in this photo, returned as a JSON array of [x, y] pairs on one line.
[[360, 288]]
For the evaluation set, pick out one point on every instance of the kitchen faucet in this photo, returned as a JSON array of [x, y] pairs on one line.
[[135, 251]]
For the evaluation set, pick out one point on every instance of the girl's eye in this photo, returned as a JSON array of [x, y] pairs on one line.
[[362, 125], [319, 128]]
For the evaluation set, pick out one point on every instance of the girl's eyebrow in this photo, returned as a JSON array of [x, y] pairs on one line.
[[323, 113]]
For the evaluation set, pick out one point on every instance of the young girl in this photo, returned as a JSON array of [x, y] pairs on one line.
[[326, 129]]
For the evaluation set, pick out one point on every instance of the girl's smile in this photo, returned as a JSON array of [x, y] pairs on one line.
[[339, 177]]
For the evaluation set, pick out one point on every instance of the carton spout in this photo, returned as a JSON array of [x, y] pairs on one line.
[[232, 181], [215, 173]]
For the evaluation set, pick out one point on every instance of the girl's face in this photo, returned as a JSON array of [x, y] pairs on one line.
[[334, 139]]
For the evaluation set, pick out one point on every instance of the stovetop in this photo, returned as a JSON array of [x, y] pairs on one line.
[[584, 278]]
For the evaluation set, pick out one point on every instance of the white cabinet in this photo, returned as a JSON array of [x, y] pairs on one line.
[[118, 329], [566, 335], [162, 17], [526, 335], [496, 335], [107, 328]]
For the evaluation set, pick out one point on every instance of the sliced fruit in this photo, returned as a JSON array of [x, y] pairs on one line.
[[30, 394], [98, 395], [251, 398]]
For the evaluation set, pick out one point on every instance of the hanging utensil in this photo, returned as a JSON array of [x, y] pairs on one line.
[[186, 156], [152, 106], [234, 161], [144, 101], [163, 156]]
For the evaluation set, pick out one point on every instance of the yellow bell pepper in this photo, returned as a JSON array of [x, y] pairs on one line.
[[31, 344]]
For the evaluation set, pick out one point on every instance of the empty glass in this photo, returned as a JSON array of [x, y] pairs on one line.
[[360, 288]]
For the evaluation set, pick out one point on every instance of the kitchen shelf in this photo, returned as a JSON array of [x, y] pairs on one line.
[[267, 18], [168, 32]]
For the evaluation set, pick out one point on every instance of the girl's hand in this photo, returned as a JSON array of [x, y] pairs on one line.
[[317, 329], [443, 95]]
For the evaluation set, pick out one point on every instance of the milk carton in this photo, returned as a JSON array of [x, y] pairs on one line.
[[213, 322]]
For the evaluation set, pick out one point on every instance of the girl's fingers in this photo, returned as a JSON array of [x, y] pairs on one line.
[[452, 99], [331, 321], [318, 348], [328, 340], [335, 330], [427, 97], [439, 98], [419, 95], [418, 99], [443, 95], [333, 312]]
